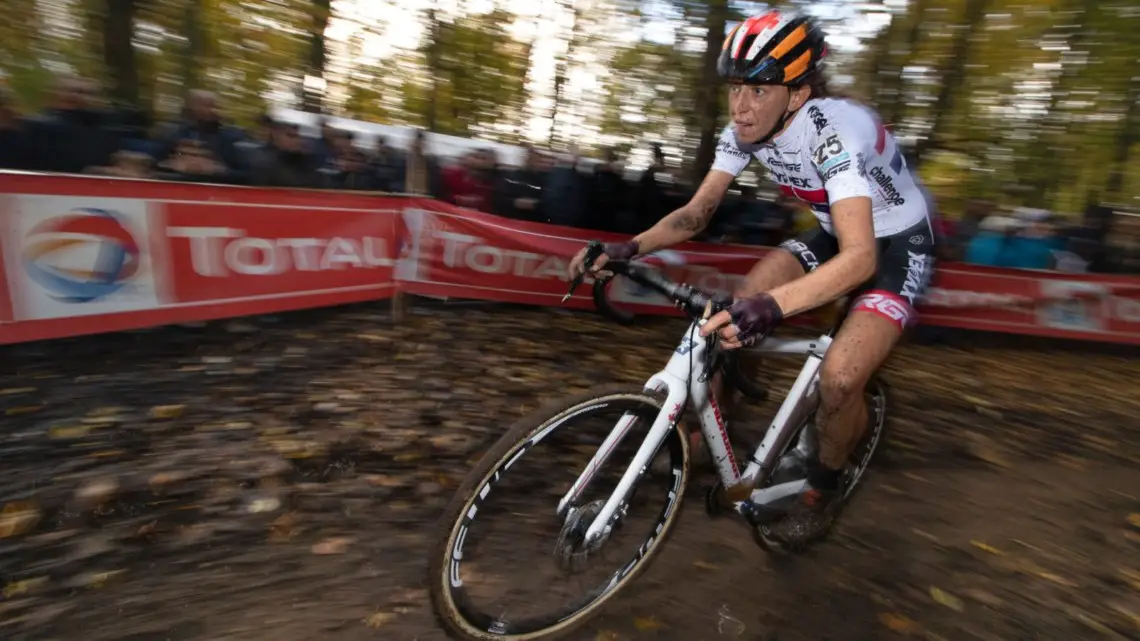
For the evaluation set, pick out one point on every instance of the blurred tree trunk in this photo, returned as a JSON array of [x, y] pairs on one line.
[[708, 89], [195, 47], [311, 98], [879, 59], [900, 48], [1124, 143], [118, 25], [560, 71], [434, 60], [1057, 120], [952, 79]]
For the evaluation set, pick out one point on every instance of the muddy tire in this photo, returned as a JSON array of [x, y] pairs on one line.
[[449, 602]]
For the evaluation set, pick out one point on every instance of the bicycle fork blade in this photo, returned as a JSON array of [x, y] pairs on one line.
[[600, 457], [649, 448]]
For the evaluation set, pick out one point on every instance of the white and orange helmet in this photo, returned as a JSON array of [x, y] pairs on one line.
[[773, 48]]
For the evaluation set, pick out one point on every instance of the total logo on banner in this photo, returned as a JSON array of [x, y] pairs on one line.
[[80, 257]]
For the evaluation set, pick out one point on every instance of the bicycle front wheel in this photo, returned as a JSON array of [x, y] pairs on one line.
[[516, 487]]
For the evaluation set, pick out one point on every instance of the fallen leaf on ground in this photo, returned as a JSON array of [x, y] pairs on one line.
[[986, 548], [1132, 577], [1053, 578], [16, 390], [17, 518], [945, 598], [23, 587], [67, 431], [99, 579], [337, 545], [380, 619], [647, 624], [27, 409], [167, 411], [899, 623]]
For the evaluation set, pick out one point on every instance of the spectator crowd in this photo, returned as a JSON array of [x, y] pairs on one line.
[[76, 135]]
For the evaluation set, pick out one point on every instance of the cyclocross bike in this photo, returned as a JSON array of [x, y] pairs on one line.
[[584, 527]]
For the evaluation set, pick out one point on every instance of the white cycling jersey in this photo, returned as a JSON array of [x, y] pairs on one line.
[[835, 149]]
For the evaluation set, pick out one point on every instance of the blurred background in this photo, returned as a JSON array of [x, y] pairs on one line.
[[1021, 116]]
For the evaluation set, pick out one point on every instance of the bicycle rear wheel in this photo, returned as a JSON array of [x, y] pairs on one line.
[[544, 442]]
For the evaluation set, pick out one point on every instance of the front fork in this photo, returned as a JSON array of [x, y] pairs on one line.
[[616, 505]]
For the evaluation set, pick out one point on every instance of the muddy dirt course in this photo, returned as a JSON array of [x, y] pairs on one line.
[[279, 479]]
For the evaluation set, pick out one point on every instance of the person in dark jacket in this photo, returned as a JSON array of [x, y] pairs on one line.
[[651, 194], [72, 135], [285, 161], [518, 193], [348, 167], [202, 123], [563, 198], [14, 153], [388, 165], [607, 194]]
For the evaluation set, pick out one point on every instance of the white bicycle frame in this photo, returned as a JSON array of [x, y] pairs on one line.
[[681, 381]]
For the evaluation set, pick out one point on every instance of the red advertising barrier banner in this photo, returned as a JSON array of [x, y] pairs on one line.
[[472, 255], [83, 255], [461, 253]]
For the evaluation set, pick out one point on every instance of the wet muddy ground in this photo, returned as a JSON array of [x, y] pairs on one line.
[[280, 479]]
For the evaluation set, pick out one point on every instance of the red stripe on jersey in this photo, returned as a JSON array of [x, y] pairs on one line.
[[881, 141], [813, 196]]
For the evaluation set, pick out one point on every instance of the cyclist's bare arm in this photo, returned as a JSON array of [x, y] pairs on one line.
[[853, 265], [690, 219]]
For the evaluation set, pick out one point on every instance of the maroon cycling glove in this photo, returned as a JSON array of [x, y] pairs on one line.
[[755, 317], [621, 251]]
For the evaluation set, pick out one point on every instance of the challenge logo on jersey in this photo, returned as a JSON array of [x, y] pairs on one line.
[[83, 255], [887, 187]]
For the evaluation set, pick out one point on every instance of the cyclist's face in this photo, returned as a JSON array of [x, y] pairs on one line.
[[755, 109]]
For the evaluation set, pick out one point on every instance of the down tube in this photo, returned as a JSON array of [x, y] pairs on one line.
[[649, 447], [715, 433]]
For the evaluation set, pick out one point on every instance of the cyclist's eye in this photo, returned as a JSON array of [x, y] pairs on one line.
[[757, 91]]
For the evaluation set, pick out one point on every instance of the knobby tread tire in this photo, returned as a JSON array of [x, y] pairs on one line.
[[521, 430]]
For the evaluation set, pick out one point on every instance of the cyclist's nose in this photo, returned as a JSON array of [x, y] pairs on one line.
[[740, 103], [736, 103]]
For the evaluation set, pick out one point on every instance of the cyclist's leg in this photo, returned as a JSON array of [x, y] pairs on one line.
[[879, 315], [877, 320], [791, 260]]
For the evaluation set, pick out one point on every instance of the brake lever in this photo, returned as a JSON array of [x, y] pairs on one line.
[[711, 345], [594, 250], [714, 356]]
